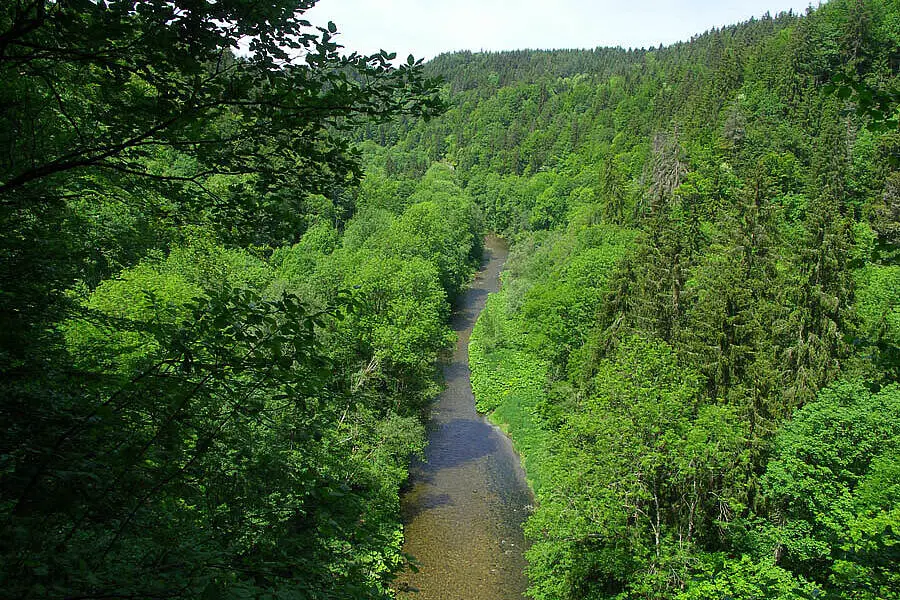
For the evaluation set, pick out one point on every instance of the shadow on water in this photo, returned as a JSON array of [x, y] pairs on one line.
[[456, 373], [456, 442], [464, 318], [425, 503]]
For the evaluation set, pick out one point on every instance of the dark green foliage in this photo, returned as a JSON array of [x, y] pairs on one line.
[[194, 407], [96, 87], [216, 342], [227, 425], [141, 114]]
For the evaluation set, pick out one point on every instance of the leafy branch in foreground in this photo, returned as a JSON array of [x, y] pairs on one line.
[[91, 86]]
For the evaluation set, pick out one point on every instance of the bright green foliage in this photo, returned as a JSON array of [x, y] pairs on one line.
[[641, 474], [508, 384], [745, 579], [217, 342], [833, 482], [194, 407], [529, 329], [438, 225], [878, 306], [757, 268]]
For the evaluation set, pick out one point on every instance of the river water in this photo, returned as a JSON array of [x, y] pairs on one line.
[[465, 506]]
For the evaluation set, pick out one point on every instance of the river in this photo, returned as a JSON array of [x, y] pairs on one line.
[[464, 508]]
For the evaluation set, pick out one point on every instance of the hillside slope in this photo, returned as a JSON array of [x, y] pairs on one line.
[[696, 344]]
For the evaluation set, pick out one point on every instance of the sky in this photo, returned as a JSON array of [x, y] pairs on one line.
[[425, 28]]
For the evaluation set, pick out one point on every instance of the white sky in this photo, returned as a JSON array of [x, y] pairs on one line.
[[426, 28]]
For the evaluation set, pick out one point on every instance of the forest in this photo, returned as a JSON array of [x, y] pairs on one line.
[[227, 273]]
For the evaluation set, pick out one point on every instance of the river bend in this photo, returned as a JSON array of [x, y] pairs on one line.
[[464, 508]]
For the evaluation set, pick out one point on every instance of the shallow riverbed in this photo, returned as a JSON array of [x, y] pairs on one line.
[[464, 509]]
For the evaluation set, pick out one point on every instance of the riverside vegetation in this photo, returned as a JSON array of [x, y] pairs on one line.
[[215, 345], [226, 281], [696, 344]]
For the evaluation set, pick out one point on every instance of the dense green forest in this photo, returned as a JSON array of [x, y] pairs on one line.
[[215, 345], [226, 279], [696, 344]]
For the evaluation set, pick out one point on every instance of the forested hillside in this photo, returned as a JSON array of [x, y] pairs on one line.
[[215, 346], [696, 344], [230, 250]]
